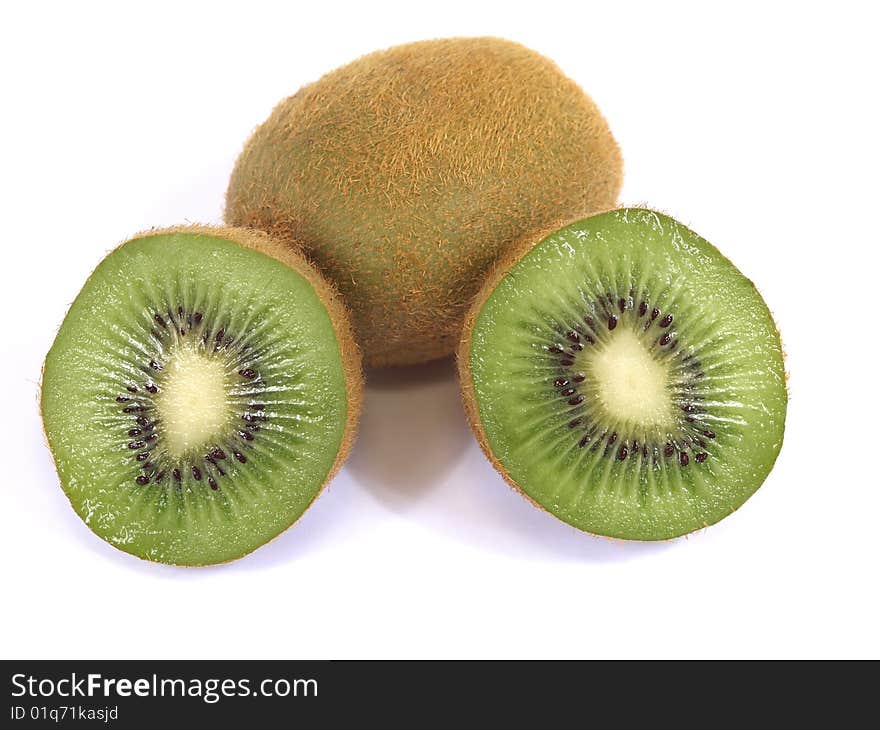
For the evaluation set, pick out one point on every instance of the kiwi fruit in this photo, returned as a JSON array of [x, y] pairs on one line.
[[625, 376], [202, 389], [405, 174]]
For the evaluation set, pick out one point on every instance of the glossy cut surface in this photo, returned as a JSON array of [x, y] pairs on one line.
[[156, 457], [631, 294]]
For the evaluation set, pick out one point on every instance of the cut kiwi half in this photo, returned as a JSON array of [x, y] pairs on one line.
[[202, 389], [625, 376]]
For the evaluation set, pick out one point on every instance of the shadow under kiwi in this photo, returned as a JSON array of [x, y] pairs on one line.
[[479, 507], [416, 455], [412, 432]]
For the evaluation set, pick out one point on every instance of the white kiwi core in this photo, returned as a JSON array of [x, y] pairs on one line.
[[192, 404], [631, 384]]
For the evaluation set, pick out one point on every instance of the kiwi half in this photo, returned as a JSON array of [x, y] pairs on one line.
[[625, 376], [202, 389], [405, 174]]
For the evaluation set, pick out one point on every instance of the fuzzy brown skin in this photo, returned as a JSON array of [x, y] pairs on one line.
[[339, 317], [407, 173]]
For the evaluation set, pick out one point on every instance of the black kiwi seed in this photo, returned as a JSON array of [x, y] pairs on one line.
[[576, 338], [143, 435]]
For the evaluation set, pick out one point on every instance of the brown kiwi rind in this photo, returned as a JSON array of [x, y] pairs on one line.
[[405, 174]]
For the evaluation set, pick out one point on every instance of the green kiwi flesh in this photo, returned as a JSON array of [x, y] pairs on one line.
[[625, 376], [198, 395]]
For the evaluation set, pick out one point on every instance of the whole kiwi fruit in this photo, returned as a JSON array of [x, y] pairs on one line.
[[405, 174], [623, 375], [202, 389]]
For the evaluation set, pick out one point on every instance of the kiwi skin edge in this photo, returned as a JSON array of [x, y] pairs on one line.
[[468, 394], [463, 354], [339, 318]]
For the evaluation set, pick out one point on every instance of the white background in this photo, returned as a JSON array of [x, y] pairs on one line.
[[757, 126]]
